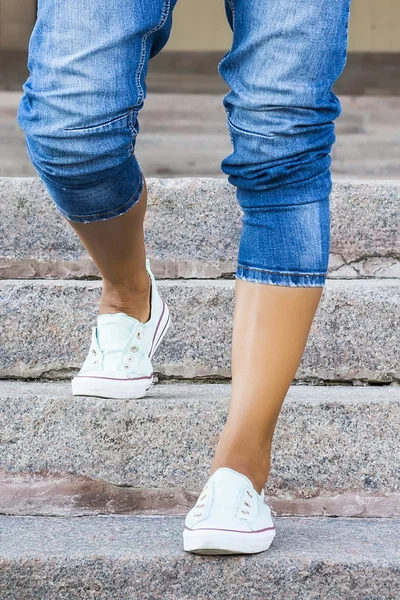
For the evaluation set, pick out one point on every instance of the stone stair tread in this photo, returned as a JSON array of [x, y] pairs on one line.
[[333, 449], [46, 327], [184, 392], [367, 167], [128, 557], [192, 229]]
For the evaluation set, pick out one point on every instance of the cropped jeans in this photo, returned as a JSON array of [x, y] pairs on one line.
[[88, 62]]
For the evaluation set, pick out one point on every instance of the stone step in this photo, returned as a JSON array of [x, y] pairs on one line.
[[382, 145], [372, 168], [46, 328], [188, 112], [186, 135], [184, 154], [199, 155], [333, 454], [205, 112], [141, 557], [178, 113], [164, 160], [192, 231], [376, 110], [209, 148]]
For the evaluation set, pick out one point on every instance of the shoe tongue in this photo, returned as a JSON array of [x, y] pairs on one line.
[[113, 330]]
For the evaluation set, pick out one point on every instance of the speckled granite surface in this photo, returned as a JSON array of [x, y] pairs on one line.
[[142, 559], [329, 441], [46, 326], [192, 230]]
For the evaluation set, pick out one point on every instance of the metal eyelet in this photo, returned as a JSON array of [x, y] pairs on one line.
[[245, 512], [251, 495], [94, 352], [247, 503], [130, 358], [134, 348], [139, 335], [94, 362], [198, 514], [126, 366], [200, 506]]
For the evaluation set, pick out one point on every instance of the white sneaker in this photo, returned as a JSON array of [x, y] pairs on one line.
[[118, 364], [230, 517]]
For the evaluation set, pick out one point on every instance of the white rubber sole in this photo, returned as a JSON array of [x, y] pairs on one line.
[[110, 388], [103, 387], [215, 541]]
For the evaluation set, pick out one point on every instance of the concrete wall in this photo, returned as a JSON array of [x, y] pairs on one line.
[[17, 18], [202, 25], [374, 26]]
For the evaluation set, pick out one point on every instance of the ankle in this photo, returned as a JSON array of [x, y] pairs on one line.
[[132, 299], [252, 460]]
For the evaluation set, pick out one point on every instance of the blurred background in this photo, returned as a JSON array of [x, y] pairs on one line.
[[183, 130]]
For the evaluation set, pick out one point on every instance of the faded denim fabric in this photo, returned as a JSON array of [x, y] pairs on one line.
[[88, 63]]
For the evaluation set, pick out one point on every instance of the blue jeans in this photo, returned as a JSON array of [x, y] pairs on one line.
[[88, 63]]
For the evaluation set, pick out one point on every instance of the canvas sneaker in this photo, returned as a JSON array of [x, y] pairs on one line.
[[230, 517], [118, 364]]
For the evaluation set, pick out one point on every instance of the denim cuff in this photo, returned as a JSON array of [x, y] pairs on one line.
[[279, 278], [285, 245], [116, 190], [314, 189]]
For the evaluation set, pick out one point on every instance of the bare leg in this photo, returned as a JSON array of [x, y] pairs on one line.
[[117, 247], [271, 327]]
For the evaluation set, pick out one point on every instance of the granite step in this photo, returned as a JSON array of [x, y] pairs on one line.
[[381, 144], [376, 110], [46, 328], [371, 168], [141, 557], [334, 450], [184, 154], [192, 231], [198, 155], [205, 114], [169, 113]]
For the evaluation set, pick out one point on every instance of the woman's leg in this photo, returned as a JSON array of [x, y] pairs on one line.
[[117, 248], [284, 60], [270, 332], [88, 64]]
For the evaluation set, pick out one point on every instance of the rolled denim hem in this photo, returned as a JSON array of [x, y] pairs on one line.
[[123, 185], [255, 275], [315, 189]]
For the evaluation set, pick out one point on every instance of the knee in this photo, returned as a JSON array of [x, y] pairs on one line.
[[90, 171], [276, 146], [61, 149]]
